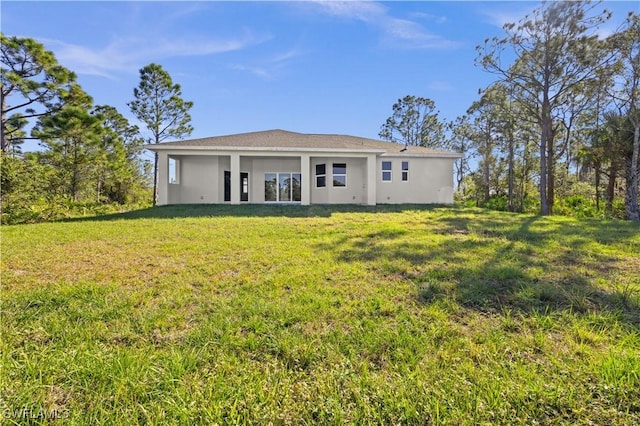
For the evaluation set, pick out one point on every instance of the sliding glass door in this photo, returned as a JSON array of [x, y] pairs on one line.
[[282, 187]]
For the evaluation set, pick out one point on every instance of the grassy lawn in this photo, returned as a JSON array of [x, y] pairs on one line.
[[318, 315]]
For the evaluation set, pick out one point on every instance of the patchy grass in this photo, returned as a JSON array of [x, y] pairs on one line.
[[321, 315]]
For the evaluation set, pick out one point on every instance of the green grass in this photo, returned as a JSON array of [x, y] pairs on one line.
[[319, 315]]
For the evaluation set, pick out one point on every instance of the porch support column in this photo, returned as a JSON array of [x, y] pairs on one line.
[[163, 178], [305, 180], [371, 180], [235, 178]]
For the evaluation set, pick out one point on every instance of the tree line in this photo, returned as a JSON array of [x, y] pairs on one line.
[[90, 154], [559, 129]]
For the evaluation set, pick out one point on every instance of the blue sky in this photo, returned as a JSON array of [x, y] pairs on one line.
[[311, 67]]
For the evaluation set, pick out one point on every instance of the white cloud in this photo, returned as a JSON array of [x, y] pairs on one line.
[[363, 11], [507, 13], [405, 33], [440, 86], [428, 16], [84, 60], [525, 10], [258, 71], [396, 32], [286, 56], [271, 66], [186, 9], [129, 54]]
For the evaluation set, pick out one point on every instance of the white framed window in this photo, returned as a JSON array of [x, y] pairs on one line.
[[174, 171], [282, 187], [339, 174], [321, 175], [405, 171], [387, 173]]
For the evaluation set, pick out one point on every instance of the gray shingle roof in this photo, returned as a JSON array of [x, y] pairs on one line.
[[285, 139]]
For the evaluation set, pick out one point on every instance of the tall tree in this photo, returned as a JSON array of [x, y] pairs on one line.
[[118, 171], [628, 101], [35, 82], [414, 122], [487, 129], [460, 142], [69, 137], [497, 103], [158, 103], [615, 137], [591, 157], [556, 50], [510, 148]]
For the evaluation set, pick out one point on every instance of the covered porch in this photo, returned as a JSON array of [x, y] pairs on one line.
[[266, 177]]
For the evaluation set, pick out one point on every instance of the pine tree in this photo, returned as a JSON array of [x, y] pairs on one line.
[[158, 103]]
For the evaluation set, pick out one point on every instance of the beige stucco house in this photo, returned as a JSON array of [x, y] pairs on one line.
[[278, 166]]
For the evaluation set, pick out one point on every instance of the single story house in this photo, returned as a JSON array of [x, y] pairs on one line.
[[278, 166]]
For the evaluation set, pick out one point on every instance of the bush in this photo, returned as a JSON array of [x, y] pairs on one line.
[[58, 208], [576, 205], [30, 194], [618, 209], [498, 202]]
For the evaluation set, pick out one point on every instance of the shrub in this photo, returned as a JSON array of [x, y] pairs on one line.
[[576, 205], [497, 202]]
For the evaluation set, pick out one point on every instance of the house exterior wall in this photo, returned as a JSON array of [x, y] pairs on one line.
[[430, 181], [197, 181], [353, 193], [201, 178]]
